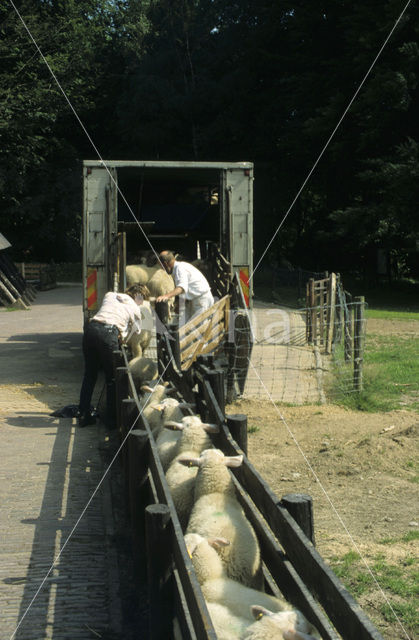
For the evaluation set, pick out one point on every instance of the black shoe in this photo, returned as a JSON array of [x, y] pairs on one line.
[[86, 419]]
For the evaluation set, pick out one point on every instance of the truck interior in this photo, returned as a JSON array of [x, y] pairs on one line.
[[177, 208]]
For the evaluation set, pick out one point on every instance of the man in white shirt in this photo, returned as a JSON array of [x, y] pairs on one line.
[[191, 286], [117, 319]]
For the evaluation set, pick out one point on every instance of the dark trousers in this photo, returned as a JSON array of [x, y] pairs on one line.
[[99, 343]]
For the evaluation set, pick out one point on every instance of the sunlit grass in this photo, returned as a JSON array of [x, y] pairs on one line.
[[399, 583], [390, 375]]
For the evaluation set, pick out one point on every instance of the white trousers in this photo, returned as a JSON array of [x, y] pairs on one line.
[[188, 309]]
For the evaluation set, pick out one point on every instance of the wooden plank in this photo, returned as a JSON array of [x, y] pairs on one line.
[[159, 576], [196, 334], [207, 342], [204, 347], [202, 316]]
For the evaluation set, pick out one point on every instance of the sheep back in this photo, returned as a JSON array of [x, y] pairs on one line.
[[142, 369], [181, 481], [220, 515]]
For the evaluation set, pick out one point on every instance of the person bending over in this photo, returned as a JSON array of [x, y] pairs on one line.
[[117, 319], [190, 285]]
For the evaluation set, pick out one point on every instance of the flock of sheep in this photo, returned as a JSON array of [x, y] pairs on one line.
[[219, 538]]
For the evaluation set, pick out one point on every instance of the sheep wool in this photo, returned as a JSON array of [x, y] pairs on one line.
[[180, 479], [154, 395], [142, 370], [227, 626], [139, 273], [139, 342], [218, 587], [217, 513], [167, 439]]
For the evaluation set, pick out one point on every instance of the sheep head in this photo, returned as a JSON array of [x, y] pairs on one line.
[[212, 455], [292, 623]]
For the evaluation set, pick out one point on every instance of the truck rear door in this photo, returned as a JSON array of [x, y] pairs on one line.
[[100, 246]]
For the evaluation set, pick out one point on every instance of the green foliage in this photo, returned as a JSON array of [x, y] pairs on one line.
[[211, 80]]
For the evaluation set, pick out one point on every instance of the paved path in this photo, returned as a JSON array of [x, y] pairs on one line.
[[49, 469], [283, 367]]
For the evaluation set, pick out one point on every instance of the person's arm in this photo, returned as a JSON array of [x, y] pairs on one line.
[[172, 294]]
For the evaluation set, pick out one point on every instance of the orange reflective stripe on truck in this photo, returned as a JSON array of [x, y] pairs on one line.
[[91, 288], [244, 281]]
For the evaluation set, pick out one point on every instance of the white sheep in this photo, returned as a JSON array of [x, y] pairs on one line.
[[154, 412], [139, 273], [160, 283], [142, 370], [215, 584], [284, 625], [193, 439], [217, 513], [138, 342], [154, 394], [227, 626], [168, 437]]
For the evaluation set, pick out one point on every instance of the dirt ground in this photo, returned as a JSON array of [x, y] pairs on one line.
[[358, 467]]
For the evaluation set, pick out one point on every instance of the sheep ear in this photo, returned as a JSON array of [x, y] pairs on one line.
[[189, 462], [174, 426], [210, 428], [146, 388], [233, 461], [216, 543], [258, 612]]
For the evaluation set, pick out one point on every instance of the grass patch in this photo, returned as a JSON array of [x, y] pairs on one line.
[[408, 537], [398, 581], [391, 314], [253, 428], [390, 375]]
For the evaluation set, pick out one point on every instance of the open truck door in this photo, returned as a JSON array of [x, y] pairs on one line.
[[237, 225], [103, 248]]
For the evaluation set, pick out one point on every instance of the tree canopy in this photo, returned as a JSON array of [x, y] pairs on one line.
[[218, 80]]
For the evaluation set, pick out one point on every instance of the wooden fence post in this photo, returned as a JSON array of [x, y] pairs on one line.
[[159, 571], [127, 413], [162, 312], [359, 303], [216, 379], [348, 327], [331, 312], [121, 389], [300, 506], [237, 424], [138, 453]]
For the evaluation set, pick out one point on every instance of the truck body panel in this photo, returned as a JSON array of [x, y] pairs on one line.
[[134, 208]]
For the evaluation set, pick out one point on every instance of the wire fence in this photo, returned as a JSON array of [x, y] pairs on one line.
[[295, 356], [308, 355]]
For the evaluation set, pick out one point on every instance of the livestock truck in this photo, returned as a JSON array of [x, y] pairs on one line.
[[134, 209]]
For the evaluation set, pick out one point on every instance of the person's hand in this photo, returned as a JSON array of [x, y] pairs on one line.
[[162, 298]]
